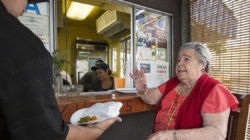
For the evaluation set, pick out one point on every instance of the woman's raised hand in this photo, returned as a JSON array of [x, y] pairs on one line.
[[139, 79]]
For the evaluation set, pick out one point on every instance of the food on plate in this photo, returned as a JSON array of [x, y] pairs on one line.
[[87, 119], [94, 118]]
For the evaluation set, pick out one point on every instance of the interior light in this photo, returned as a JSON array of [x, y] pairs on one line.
[[79, 11]]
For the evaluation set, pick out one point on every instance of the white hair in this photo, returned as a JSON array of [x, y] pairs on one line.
[[202, 52]]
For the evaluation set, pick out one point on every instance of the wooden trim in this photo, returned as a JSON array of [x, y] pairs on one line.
[[242, 122]]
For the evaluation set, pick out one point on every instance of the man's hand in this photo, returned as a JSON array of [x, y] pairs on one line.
[[103, 125], [92, 131]]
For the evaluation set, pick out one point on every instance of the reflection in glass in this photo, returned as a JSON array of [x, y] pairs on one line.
[[152, 34], [113, 59], [125, 54]]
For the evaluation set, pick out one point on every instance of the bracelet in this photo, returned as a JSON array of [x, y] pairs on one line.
[[174, 135], [144, 93]]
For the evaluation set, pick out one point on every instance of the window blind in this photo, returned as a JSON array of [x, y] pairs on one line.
[[224, 27]]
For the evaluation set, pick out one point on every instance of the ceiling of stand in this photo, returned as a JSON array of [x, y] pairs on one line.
[[100, 7]]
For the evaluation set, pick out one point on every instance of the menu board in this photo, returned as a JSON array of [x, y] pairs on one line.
[[36, 18], [156, 72]]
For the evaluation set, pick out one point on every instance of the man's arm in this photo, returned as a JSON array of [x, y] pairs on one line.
[[31, 110], [91, 132]]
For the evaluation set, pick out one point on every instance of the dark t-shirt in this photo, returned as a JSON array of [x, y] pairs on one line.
[[97, 85], [88, 79], [28, 108]]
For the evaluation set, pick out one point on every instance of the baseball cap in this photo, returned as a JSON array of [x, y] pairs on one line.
[[37, 1], [100, 66], [101, 61]]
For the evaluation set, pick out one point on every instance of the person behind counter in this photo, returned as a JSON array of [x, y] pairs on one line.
[[28, 107], [105, 82], [89, 78], [191, 105]]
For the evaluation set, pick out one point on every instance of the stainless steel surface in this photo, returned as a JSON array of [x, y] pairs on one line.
[[87, 52]]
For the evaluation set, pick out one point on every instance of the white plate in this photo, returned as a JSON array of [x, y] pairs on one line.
[[96, 93], [82, 113], [126, 90], [112, 90]]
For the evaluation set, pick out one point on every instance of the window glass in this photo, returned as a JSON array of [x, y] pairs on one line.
[[125, 55], [113, 59], [153, 45], [226, 34], [152, 35]]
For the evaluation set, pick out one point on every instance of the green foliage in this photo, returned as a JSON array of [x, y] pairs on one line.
[[59, 60], [217, 47]]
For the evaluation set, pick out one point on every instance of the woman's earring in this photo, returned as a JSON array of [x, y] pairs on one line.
[[203, 69]]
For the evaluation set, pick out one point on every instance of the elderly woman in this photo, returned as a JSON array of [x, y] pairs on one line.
[[105, 81], [191, 105]]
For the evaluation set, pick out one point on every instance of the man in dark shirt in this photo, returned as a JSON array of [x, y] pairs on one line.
[[28, 108]]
